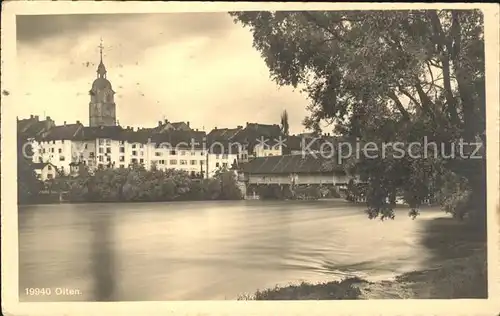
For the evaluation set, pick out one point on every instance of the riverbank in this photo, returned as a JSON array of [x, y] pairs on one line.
[[457, 269]]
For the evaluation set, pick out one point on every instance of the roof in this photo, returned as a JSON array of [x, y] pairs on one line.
[[223, 133], [23, 124], [32, 127], [91, 133], [41, 165], [247, 136], [178, 125], [62, 132], [291, 164], [101, 84]]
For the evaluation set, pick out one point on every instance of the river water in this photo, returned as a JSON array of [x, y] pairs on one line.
[[207, 250]]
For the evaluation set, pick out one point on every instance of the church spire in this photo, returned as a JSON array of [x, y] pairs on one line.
[[101, 69]]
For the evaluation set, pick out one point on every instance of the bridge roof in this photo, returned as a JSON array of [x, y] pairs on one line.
[[292, 164]]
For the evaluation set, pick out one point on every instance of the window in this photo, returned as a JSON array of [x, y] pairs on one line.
[[141, 146], [193, 153], [49, 167], [108, 142], [61, 158], [108, 150], [157, 154], [184, 162], [202, 153], [224, 156], [183, 153], [122, 166], [49, 176], [217, 156], [133, 145], [173, 162], [193, 162], [100, 158], [108, 158], [193, 173], [134, 153], [224, 164], [101, 150], [53, 142], [52, 150], [172, 152], [91, 154], [122, 143], [202, 162], [162, 162], [43, 150], [122, 158], [142, 153], [101, 141], [134, 160], [122, 150], [85, 146], [217, 164], [141, 160]]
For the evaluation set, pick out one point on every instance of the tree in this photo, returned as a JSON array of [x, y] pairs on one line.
[[284, 123], [385, 76], [28, 183]]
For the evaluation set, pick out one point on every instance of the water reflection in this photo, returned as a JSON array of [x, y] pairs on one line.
[[207, 250], [103, 256]]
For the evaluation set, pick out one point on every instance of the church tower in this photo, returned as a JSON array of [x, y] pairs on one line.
[[102, 107]]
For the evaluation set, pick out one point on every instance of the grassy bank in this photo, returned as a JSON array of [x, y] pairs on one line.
[[457, 269]]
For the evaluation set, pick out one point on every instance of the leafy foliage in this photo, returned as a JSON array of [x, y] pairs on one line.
[[28, 184], [387, 76], [138, 184]]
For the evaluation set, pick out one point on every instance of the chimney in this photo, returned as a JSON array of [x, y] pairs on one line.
[[31, 116], [77, 122], [240, 127], [187, 123], [36, 117], [166, 121], [48, 118], [159, 123], [215, 128], [64, 123]]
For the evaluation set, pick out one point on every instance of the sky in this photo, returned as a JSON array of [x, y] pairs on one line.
[[196, 67]]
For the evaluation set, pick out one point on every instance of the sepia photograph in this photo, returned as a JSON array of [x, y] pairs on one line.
[[252, 155]]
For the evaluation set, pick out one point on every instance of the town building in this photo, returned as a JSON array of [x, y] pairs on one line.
[[45, 171], [294, 170], [169, 145]]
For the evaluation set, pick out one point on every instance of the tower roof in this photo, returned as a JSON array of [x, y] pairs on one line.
[[101, 82], [101, 69]]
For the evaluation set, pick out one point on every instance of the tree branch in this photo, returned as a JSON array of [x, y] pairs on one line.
[[399, 105]]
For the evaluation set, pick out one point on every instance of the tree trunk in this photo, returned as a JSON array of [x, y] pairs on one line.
[[474, 170]]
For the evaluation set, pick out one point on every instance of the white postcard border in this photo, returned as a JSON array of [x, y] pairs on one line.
[[10, 302]]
